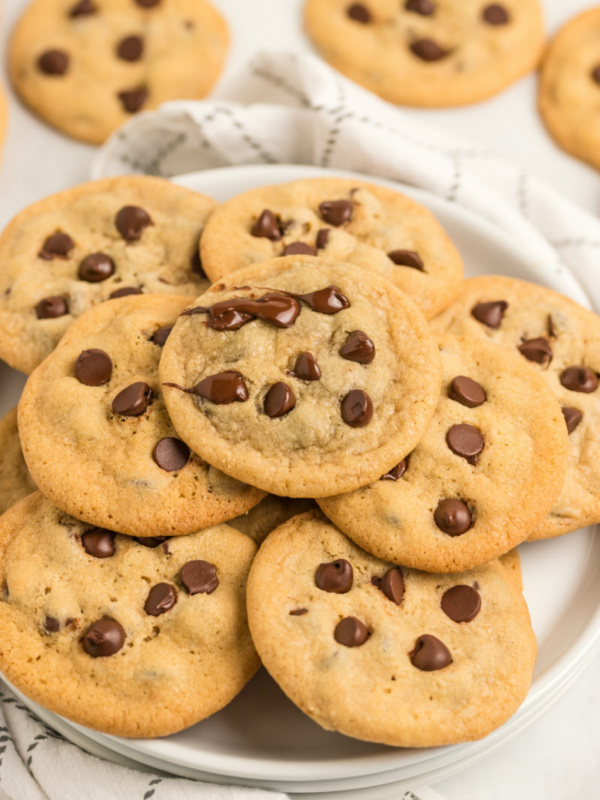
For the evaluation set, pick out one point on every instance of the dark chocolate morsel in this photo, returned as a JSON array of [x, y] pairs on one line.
[[54, 62], [267, 227], [160, 336], [224, 388], [298, 249], [407, 258], [453, 517], [351, 632], [423, 7], [490, 314], [336, 212], [51, 625], [359, 13], [105, 637], [496, 14], [392, 585], [430, 654], [335, 576], [130, 48], [357, 408], [467, 392], [573, 417], [99, 543], [83, 9], [133, 99], [151, 541], [466, 441], [306, 368], [579, 379], [59, 245], [171, 454], [358, 347], [298, 612], [133, 400], [124, 292], [161, 598], [537, 350], [275, 308], [461, 603], [279, 400], [428, 50], [329, 300], [131, 222], [199, 577], [322, 238], [51, 308], [93, 367], [96, 267], [396, 472]]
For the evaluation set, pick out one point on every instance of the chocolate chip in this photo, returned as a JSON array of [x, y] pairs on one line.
[[223, 388], [93, 367], [579, 379], [133, 99], [466, 441], [51, 625], [397, 472], [96, 267], [358, 347], [131, 222], [423, 7], [150, 541], [147, 3], [407, 258], [392, 585], [51, 307], [280, 310], [357, 408], [196, 265], [59, 245], [54, 62], [335, 576], [279, 400], [161, 598], [467, 392], [336, 212], [83, 9], [298, 612], [124, 292], [537, 350], [267, 227], [199, 577], [453, 517], [430, 654], [298, 249], [329, 300], [306, 368], [103, 638], [490, 313], [133, 400], [171, 454], [595, 74], [130, 48], [461, 603], [99, 543], [573, 417], [323, 238], [496, 15], [160, 336], [428, 50], [359, 13], [351, 632]]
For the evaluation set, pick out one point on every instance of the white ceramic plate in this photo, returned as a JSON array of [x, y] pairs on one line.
[[261, 738]]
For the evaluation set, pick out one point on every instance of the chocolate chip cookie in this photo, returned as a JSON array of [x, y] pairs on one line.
[[560, 340], [489, 467], [97, 241], [385, 653], [569, 88], [97, 437], [346, 220], [86, 66], [15, 480], [429, 52], [103, 629], [301, 376]]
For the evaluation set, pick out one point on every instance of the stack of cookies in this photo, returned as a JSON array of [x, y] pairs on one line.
[[173, 426]]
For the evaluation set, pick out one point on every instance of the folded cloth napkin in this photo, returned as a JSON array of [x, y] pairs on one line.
[[293, 109]]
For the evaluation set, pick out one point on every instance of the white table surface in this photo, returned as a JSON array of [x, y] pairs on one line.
[[558, 757]]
